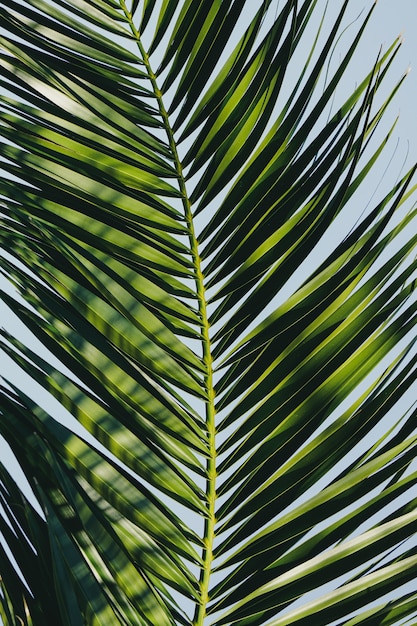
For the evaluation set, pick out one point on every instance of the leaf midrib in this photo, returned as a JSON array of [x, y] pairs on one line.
[[209, 523]]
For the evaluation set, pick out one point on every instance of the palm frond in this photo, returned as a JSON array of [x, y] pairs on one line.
[[206, 440]]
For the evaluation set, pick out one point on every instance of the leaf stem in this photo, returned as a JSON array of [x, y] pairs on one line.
[[211, 471]]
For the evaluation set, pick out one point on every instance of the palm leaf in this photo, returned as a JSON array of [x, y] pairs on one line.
[[205, 439]]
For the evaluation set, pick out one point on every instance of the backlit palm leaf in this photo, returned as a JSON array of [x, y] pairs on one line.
[[214, 442]]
